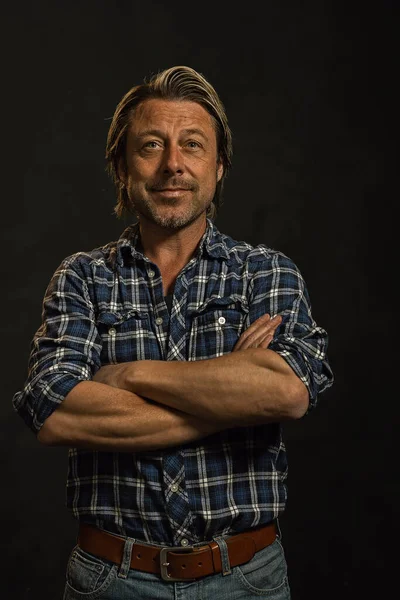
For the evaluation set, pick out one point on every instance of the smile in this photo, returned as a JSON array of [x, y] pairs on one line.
[[171, 192]]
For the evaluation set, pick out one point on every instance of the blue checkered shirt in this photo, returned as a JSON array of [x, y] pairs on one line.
[[107, 306]]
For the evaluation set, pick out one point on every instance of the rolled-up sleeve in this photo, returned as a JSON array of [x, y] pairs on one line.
[[279, 288], [65, 349]]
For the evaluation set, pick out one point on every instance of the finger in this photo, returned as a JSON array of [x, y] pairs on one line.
[[257, 323], [259, 328], [252, 338], [265, 342], [255, 341]]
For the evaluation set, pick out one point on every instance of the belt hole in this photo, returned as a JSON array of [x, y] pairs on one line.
[[183, 566], [138, 555], [154, 559], [200, 564]]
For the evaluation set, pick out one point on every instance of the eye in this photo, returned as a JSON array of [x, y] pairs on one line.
[[151, 145], [193, 145]]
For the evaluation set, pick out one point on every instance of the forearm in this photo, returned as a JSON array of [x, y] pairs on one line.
[[242, 388], [100, 417]]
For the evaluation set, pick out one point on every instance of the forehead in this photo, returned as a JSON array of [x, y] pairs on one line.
[[167, 115]]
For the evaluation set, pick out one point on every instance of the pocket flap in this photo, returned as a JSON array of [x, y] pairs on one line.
[[233, 302], [116, 318]]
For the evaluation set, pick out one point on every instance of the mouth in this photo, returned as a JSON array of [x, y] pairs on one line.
[[171, 192]]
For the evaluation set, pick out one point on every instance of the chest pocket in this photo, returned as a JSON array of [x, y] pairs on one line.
[[125, 336], [216, 327]]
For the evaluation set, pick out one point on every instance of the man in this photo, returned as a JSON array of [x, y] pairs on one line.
[[166, 362]]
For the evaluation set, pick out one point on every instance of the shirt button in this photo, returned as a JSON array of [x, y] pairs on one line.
[[221, 320], [151, 274], [184, 542], [112, 331], [174, 487], [159, 320]]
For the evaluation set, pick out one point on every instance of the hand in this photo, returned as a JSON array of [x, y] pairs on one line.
[[111, 375], [259, 334]]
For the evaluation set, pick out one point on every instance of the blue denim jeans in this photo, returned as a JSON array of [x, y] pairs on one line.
[[90, 577]]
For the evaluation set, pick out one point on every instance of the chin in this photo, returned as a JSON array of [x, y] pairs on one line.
[[175, 219]]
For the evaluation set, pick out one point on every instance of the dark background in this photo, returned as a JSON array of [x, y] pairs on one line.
[[309, 89]]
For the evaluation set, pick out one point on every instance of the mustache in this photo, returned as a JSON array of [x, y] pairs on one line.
[[172, 184]]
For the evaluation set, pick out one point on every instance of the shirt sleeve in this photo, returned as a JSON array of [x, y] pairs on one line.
[[279, 288], [65, 349]]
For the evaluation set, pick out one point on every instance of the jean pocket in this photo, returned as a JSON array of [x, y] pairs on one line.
[[87, 575], [266, 573]]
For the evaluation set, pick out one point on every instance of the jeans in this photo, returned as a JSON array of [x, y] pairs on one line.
[[265, 576]]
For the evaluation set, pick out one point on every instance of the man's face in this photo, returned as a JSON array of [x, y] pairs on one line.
[[172, 167]]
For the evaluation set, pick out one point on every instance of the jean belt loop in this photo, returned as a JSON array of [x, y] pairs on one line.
[[279, 533], [223, 548], [126, 558]]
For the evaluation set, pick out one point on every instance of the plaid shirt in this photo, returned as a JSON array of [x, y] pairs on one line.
[[107, 306]]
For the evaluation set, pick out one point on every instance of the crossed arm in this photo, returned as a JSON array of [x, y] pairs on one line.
[[148, 405]]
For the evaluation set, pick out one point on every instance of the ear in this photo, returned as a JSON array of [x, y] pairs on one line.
[[220, 170]]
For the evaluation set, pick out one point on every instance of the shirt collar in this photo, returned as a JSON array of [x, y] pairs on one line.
[[129, 244]]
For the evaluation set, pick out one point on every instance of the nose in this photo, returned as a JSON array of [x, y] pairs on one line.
[[173, 162]]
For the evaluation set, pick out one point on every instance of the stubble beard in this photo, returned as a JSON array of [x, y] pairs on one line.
[[149, 211]]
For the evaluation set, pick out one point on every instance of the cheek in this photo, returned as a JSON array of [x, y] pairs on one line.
[[210, 178], [139, 169]]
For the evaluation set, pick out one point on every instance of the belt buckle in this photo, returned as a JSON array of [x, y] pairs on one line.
[[164, 564]]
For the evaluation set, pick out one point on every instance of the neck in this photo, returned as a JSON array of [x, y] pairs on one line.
[[166, 247]]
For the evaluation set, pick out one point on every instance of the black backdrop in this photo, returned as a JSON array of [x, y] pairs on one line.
[[309, 91]]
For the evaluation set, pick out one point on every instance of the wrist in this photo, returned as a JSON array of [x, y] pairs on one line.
[[149, 378], [128, 376]]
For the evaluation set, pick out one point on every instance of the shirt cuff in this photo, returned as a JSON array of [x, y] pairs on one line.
[[40, 398]]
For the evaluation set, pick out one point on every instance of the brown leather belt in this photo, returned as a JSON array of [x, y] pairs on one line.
[[177, 563]]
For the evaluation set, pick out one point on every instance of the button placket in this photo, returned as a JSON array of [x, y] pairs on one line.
[[177, 508]]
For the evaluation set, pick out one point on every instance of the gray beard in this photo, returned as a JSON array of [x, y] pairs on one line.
[[173, 223]]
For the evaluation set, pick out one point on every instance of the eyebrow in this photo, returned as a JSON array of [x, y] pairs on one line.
[[195, 131], [159, 133]]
